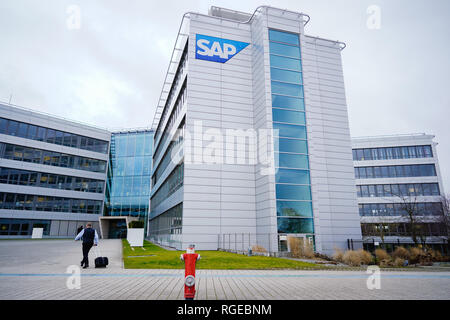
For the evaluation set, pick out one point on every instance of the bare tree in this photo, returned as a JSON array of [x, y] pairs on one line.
[[414, 216]]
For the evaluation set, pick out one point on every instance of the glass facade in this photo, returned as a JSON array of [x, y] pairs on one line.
[[48, 180], [387, 153], [15, 201], [293, 186], [50, 158], [415, 170], [129, 174], [33, 132]]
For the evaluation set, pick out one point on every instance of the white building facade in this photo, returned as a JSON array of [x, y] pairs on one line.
[[252, 138], [52, 173], [397, 176]]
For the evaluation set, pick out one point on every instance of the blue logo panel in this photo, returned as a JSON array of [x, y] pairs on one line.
[[217, 49]]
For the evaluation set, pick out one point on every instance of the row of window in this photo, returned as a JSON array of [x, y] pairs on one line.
[[398, 209], [169, 222], [22, 227], [178, 74], [29, 131], [48, 180], [14, 201], [178, 139], [172, 119], [416, 170], [388, 153], [403, 229], [57, 159], [398, 190], [173, 182]]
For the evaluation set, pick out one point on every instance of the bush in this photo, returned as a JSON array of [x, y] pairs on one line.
[[352, 258], [300, 248], [436, 256], [416, 255], [399, 262], [366, 257], [401, 252], [383, 258], [136, 224], [338, 255], [257, 248]]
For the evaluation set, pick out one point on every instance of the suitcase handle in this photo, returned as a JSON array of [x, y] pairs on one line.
[[97, 251]]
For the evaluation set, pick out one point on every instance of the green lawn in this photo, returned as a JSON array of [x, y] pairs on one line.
[[154, 257]]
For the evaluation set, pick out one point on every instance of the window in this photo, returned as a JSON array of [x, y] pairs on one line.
[[289, 131], [288, 89], [286, 75], [294, 117], [292, 176], [295, 225], [286, 160], [287, 102], [12, 127], [291, 145], [285, 63], [286, 37]]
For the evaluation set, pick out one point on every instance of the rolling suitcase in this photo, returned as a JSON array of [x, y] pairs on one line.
[[100, 262]]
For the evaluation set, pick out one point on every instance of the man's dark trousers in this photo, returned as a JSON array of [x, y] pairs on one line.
[[86, 247]]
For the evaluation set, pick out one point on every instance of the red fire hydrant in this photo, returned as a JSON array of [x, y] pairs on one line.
[[189, 258]]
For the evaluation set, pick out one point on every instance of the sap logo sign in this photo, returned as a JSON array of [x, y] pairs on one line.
[[217, 49]]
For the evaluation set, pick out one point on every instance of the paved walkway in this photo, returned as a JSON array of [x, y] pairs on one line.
[[36, 269]]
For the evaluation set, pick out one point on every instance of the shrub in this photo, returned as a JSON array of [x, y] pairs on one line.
[[338, 255], [383, 258], [381, 254], [401, 252], [365, 256], [136, 224], [436, 256], [352, 258], [399, 262], [258, 248], [300, 248], [416, 255]]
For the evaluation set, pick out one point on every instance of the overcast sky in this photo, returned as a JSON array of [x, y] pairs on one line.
[[109, 72]]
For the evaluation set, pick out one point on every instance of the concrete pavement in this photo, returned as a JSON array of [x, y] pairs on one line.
[[36, 269]]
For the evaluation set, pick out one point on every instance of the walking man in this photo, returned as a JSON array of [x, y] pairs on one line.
[[90, 238]]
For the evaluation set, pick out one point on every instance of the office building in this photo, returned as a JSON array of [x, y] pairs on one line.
[[52, 173], [399, 189], [252, 136]]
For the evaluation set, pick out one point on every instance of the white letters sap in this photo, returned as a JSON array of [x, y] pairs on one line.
[[216, 49]]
